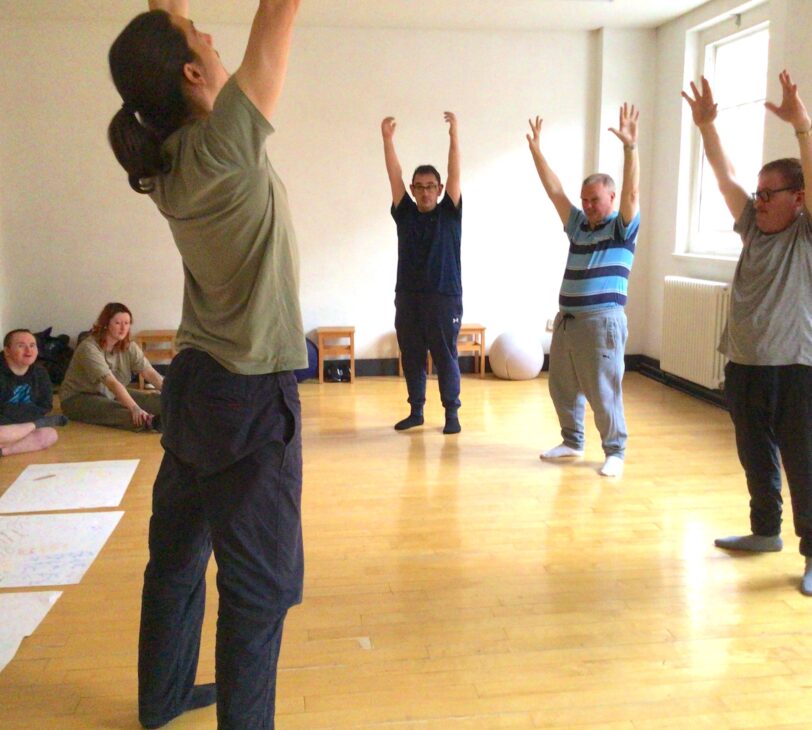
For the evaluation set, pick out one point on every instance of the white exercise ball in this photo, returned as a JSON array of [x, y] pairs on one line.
[[515, 356]]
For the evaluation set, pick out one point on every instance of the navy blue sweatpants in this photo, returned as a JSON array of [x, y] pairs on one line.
[[230, 481], [429, 323]]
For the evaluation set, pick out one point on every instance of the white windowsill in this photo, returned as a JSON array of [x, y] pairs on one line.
[[706, 257]]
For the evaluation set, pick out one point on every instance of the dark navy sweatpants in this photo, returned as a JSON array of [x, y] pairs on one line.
[[429, 323], [771, 408], [230, 481]]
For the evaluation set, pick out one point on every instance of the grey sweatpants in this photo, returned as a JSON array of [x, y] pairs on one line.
[[104, 411], [586, 364]]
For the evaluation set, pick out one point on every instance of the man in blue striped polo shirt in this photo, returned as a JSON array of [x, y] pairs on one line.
[[589, 337]]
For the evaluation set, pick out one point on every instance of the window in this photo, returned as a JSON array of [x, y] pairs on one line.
[[734, 60]]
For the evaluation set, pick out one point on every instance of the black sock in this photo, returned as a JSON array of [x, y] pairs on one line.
[[415, 418], [51, 421], [452, 422], [202, 695]]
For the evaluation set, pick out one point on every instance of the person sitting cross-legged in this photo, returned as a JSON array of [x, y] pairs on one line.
[[95, 389], [26, 397]]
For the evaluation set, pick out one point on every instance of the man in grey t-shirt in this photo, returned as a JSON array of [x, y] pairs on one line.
[[768, 339]]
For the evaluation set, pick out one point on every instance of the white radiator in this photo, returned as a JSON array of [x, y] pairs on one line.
[[694, 315]]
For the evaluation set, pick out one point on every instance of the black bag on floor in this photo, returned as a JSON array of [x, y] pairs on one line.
[[337, 373], [54, 354]]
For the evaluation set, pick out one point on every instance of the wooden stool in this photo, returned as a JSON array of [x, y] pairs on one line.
[[326, 342], [158, 347], [470, 339]]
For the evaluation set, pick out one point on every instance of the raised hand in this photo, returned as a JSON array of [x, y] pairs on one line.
[[451, 120], [627, 125], [703, 108], [792, 109], [388, 127], [535, 128]]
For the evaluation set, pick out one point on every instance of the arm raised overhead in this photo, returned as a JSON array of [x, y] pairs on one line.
[[452, 183], [793, 111], [550, 181], [262, 72], [703, 110], [626, 132], [393, 169]]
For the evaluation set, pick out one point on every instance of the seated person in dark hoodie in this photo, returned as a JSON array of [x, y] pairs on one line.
[[25, 397]]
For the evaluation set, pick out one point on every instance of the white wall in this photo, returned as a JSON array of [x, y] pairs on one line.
[[76, 236], [628, 72], [790, 21], [3, 284], [789, 48]]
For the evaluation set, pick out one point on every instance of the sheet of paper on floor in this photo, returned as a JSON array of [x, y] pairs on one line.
[[21, 613], [51, 550], [77, 485]]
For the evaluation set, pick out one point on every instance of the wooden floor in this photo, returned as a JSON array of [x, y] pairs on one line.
[[458, 582]]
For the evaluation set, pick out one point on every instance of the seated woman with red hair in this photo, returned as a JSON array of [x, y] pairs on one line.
[[96, 386]]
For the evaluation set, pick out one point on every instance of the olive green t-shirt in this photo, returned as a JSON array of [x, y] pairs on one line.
[[91, 364], [228, 212]]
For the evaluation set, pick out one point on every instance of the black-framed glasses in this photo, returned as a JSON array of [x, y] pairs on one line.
[[431, 187], [766, 194]]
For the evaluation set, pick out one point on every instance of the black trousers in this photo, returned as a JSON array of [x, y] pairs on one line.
[[429, 323], [230, 481], [771, 408]]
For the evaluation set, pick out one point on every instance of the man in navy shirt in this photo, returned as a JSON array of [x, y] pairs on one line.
[[428, 293], [25, 397]]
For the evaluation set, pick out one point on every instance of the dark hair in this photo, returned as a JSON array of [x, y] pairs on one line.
[[789, 168], [600, 178], [99, 328], [10, 336], [146, 62], [426, 170]]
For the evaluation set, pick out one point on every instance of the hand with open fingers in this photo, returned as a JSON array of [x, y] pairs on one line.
[[792, 109], [140, 417], [703, 108], [388, 127], [535, 128], [626, 130]]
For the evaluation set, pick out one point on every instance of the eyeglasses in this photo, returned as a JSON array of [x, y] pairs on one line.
[[766, 194], [430, 188]]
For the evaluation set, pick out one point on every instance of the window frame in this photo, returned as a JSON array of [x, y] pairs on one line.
[[716, 244]]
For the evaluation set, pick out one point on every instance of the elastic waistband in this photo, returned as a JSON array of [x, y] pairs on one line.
[[594, 314]]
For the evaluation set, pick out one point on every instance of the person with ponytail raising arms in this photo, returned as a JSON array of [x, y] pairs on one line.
[[192, 137]]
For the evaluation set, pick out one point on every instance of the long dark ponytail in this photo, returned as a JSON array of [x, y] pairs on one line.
[[146, 62]]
